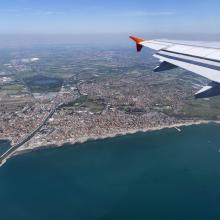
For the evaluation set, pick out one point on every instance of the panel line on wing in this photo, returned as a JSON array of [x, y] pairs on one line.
[[192, 62], [200, 60], [189, 43], [195, 67], [194, 56]]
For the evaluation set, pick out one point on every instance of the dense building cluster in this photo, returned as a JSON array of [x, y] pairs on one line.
[[104, 93]]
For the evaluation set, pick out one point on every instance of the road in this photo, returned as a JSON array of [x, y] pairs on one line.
[[9, 152]]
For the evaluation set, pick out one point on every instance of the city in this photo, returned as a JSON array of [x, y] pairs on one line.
[[100, 92]]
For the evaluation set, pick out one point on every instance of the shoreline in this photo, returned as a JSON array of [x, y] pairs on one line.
[[71, 141]]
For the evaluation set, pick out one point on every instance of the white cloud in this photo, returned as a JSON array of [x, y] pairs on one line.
[[48, 12], [29, 11], [146, 13], [44, 12]]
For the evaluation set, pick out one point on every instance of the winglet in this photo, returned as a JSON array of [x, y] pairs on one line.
[[138, 41]]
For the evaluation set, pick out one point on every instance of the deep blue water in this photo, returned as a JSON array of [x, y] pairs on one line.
[[4, 146], [156, 176]]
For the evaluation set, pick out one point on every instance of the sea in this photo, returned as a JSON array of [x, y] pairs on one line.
[[158, 175]]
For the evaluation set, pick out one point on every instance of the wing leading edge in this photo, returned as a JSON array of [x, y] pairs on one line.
[[197, 57]]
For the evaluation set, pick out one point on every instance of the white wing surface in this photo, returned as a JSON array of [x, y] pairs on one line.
[[202, 58]]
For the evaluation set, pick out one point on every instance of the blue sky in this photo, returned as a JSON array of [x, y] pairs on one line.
[[113, 16]]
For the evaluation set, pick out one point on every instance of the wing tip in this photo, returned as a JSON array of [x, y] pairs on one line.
[[138, 42]]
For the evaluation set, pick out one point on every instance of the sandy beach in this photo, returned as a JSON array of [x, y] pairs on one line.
[[28, 147]]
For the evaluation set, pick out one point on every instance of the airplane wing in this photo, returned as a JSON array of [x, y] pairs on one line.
[[201, 58]]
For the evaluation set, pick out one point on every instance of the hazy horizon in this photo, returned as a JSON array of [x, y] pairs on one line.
[[30, 40], [29, 22]]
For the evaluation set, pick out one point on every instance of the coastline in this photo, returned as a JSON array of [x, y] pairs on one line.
[[81, 140]]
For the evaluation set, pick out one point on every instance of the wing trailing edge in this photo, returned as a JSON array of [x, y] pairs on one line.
[[212, 89], [165, 66]]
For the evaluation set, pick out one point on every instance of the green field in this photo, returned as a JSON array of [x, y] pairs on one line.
[[202, 108], [94, 105]]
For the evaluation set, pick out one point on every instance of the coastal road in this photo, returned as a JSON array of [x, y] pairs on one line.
[[11, 151]]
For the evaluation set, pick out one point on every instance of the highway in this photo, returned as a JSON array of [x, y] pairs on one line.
[[10, 151]]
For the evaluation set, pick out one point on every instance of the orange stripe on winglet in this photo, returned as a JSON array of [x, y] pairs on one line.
[[137, 40]]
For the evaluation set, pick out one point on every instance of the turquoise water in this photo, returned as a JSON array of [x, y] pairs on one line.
[[157, 175]]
